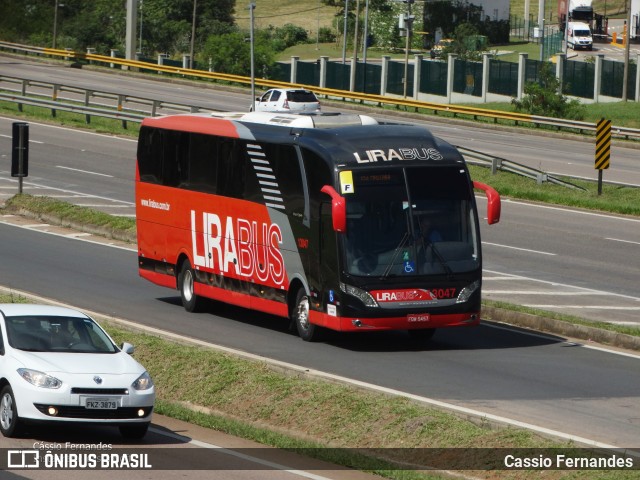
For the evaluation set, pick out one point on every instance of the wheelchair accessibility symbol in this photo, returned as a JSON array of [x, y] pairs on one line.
[[409, 267]]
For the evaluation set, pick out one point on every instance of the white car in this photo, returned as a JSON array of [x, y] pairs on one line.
[[59, 365], [291, 100]]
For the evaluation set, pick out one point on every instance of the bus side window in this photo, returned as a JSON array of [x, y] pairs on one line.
[[287, 170], [176, 158], [203, 163], [150, 147]]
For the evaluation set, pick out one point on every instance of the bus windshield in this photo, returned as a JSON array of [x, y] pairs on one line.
[[410, 221]]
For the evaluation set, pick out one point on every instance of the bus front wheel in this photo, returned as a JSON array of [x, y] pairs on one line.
[[300, 316], [190, 301]]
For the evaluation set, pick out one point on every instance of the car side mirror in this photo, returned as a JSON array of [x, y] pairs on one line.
[[338, 209], [127, 348]]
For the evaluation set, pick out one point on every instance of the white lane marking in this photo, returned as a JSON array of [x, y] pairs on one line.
[[72, 236], [73, 130], [243, 456], [69, 192], [623, 241], [563, 285], [543, 292], [567, 342], [569, 210], [84, 171], [518, 248], [587, 307], [30, 141]]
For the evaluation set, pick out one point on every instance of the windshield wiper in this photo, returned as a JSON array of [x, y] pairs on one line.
[[403, 240], [442, 261]]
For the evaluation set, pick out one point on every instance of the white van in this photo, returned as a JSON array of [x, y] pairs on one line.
[[579, 36]]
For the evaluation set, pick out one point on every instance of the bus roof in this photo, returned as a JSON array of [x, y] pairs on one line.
[[338, 134]]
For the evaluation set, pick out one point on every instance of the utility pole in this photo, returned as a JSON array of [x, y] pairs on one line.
[[193, 33], [344, 31], [408, 22], [627, 42], [252, 7]]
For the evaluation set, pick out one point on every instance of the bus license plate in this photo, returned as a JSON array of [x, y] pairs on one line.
[[101, 403], [424, 317]]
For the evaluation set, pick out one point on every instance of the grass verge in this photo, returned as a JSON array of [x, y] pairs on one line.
[[327, 420]]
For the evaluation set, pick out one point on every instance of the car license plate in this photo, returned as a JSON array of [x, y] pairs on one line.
[[101, 403], [425, 317]]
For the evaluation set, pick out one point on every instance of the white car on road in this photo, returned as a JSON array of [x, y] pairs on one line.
[[291, 100], [59, 365]]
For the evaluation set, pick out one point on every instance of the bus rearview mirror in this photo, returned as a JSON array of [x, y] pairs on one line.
[[338, 209], [493, 202]]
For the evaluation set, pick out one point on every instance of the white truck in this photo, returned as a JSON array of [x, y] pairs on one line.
[[579, 36]]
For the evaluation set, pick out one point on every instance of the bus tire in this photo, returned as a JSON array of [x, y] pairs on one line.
[[300, 316], [186, 278], [422, 334]]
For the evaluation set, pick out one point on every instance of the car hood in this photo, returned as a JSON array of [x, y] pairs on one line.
[[79, 363]]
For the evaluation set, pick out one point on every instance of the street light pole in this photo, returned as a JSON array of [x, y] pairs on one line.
[[627, 42], [140, 43], [407, 25], [252, 7], [193, 33], [344, 31], [55, 24]]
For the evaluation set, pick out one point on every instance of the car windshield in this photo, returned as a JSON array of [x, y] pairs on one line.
[[413, 221], [57, 334], [582, 33], [301, 96]]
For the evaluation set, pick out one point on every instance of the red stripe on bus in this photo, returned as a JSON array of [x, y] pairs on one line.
[[347, 324], [194, 124]]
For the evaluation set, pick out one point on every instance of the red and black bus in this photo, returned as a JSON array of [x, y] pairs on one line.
[[333, 220]]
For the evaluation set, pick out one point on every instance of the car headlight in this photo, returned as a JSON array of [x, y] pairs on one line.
[[39, 379], [143, 382]]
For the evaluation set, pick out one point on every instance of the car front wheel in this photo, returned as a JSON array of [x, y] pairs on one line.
[[9, 420]]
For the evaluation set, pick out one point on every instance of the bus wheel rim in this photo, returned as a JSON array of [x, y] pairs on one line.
[[303, 313], [187, 286]]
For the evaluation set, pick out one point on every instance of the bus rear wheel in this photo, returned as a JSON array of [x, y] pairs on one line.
[[300, 316], [186, 278]]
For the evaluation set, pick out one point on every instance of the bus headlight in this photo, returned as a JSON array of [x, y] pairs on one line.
[[467, 291], [362, 295]]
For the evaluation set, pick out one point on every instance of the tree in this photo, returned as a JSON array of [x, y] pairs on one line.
[[545, 98], [231, 53]]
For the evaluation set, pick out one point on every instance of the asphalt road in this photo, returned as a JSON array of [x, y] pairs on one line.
[[537, 254], [564, 260], [539, 380]]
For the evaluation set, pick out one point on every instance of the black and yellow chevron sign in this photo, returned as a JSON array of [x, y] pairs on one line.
[[603, 144]]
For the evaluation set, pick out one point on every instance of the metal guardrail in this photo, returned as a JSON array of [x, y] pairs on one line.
[[455, 110], [80, 109], [122, 102], [475, 157]]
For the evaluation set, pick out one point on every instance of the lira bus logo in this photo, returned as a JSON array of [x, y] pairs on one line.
[[373, 156], [238, 246], [407, 295]]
